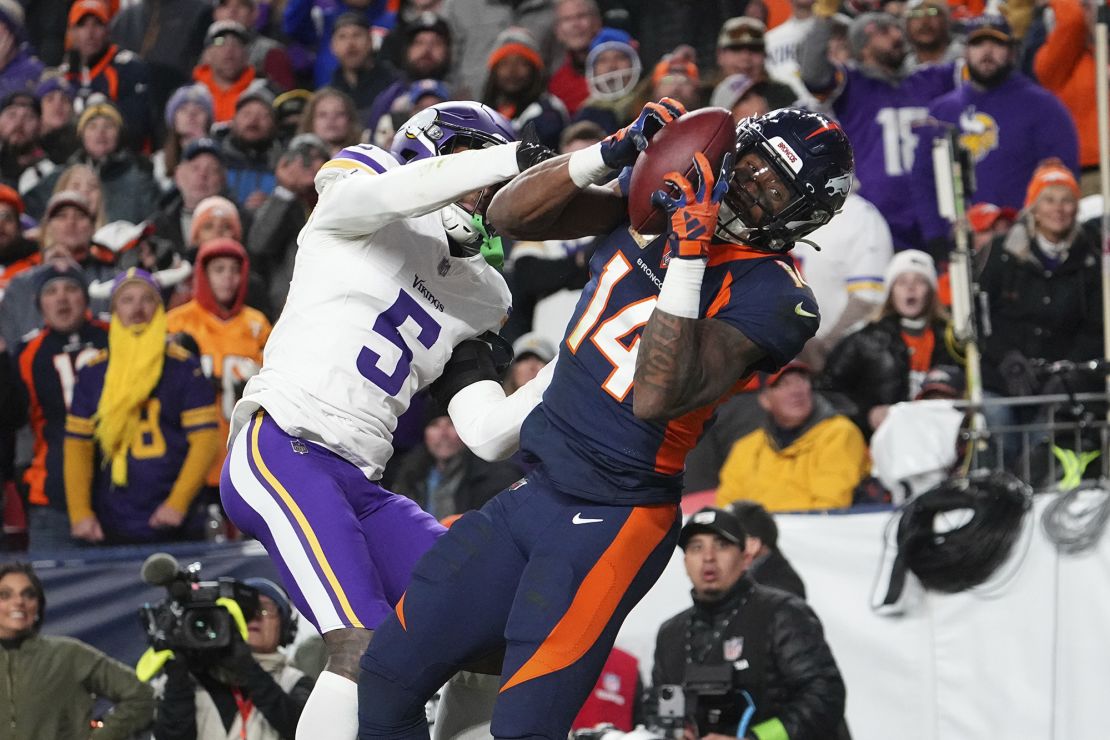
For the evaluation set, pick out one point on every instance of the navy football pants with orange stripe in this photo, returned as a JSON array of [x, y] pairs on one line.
[[550, 577]]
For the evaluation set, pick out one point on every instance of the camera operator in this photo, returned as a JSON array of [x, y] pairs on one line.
[[51, 683], [743, 644], [248, 691]]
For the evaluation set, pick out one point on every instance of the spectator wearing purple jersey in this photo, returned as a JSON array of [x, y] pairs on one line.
[[1007, 122], [877, 105], [19, 68], [312, 22]]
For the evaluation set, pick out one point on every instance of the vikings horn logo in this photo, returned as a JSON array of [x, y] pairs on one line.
[[979, 133], [839, 185]]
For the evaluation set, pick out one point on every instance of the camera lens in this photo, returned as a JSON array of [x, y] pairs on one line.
[[202, 630], [666, 692]]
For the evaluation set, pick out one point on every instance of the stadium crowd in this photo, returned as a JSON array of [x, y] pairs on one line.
[[157, 162], [185, 142]]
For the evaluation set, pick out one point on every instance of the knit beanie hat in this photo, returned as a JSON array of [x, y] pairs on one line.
[[197, 94], [910, 261], [515, 40], [60, 270], [1050, 172], [101, 108], [215, 206], [11, 16]]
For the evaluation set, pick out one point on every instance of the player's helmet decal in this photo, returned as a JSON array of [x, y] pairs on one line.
[[807, 152], [447, 127]]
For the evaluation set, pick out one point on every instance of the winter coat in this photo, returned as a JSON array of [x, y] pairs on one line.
[[128, 188], [778, 653], [468, 482], [871, 367], [818, 470], [1051, 314], [51, 687], [201, 707]]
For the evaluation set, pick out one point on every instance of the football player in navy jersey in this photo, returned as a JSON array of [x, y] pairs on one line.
[[666, 329]]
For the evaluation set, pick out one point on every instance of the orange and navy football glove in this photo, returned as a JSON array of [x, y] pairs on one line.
[[693, 215], [621, 149]]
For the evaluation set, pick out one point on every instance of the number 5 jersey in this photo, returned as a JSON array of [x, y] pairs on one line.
[[377, 303]]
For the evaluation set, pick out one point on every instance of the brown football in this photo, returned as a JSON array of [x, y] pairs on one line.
[[710, 131]]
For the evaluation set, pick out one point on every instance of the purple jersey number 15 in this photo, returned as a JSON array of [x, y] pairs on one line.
[[386, 325]]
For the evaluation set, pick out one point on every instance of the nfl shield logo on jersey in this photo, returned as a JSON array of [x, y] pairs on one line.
[[733, 648], [444, 267]]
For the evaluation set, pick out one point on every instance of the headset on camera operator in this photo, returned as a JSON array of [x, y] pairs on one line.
[[246, 690], [746, 660]]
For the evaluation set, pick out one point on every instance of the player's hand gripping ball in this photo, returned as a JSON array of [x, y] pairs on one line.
[[710, 131], [693, 214], [621, 149]]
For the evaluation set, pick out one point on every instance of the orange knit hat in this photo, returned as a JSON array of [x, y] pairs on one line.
[[1050, 172], [515, 40]]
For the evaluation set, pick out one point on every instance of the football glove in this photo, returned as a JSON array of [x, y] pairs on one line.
[[621, 149], [693, 215]]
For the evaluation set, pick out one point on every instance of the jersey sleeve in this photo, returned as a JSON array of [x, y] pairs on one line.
[[774, 308], [198, 403], [363, 188], [86, 397]]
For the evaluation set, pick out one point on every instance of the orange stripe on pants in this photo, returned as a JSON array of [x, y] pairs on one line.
[[599, 594]]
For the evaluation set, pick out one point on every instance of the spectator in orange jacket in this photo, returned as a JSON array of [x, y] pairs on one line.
[[225, 66], [1065, 64], [229, 334]]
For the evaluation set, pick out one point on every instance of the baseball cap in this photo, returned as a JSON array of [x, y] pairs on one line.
[[65, 198], [308, 144], [989, 27], [429, 22], [944, 381], [226, 28], [276, 593], [533, 343], [983, 216], [711, 520], [256, 91], [742, 33], [350, 18], [420, 88], [203, 145], [83, 8], [794, 366]]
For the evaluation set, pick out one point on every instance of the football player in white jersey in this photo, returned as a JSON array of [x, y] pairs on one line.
[[391, 274]]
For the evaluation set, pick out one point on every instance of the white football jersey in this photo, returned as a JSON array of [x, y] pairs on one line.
[[376, 304]]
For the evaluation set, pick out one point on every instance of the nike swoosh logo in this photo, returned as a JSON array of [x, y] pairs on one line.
[[802, 312], [579, 519]]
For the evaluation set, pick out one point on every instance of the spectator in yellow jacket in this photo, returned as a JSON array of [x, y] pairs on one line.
[[806, 456], [229, 334]]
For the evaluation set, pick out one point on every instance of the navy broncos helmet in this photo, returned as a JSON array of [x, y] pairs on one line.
[[446, 127], [804, 152]]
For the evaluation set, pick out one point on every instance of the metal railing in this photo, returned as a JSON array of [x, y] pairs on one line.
[[1074, 423]]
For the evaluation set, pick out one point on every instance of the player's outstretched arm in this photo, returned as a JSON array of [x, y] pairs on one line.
[[486, 420], [361, 200], [685, 361], [560, 198]]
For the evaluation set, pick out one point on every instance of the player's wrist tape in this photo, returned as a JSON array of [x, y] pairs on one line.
[[681, 292], [586, 166]]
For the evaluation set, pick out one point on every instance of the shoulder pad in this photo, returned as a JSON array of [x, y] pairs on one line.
[[358, 158]]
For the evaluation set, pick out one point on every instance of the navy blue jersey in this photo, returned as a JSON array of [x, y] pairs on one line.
[[48, 366], [584, 432]]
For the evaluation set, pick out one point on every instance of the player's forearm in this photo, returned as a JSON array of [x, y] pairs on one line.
[[558, 200], [204, 444], [488, 421], [362, 205], [78, 475], [668, 374]]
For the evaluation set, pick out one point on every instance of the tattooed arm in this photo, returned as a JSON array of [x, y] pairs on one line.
[[683, 364]]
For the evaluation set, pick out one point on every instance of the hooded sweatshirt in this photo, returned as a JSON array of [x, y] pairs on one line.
[[230, 340]]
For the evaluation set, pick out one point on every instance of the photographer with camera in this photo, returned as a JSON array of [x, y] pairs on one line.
[[246, 690], [746, 660], [52, 683]]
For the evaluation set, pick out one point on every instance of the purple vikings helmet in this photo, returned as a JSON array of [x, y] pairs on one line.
[[447, 127]]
